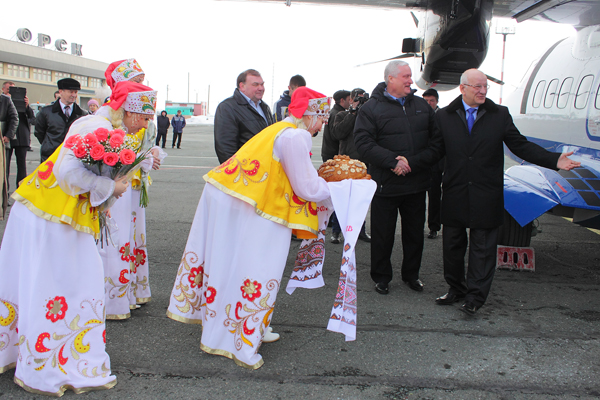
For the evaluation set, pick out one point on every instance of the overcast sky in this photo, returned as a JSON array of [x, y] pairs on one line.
[[214, 41]]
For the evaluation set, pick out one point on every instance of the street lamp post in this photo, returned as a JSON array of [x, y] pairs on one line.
[[504, 30]]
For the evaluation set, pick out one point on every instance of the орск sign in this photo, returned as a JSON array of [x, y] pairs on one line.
[[25, 35]]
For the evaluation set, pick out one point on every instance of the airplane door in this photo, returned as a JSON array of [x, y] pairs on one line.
[[592, 122]]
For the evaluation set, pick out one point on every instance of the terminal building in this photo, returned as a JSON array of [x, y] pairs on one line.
[[38, 68]]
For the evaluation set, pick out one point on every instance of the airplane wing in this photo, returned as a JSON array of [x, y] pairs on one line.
[[530, 191], [572, 12]]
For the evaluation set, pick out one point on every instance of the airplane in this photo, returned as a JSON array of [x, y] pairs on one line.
[[557, 104]]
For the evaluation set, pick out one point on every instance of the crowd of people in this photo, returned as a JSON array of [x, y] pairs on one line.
[[265, 184]]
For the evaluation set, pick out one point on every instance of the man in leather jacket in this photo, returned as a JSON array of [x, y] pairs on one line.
[[53, 122], [242, 115]]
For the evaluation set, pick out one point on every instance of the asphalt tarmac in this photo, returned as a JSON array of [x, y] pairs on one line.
[[537, 337]]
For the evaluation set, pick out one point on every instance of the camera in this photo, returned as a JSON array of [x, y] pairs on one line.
[[361, 99]]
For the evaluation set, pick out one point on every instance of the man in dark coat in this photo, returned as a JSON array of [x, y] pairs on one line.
[[241, 116], [434, 194], [53, 122], [282, 104], [471, 132], [331, 146], [162, 126], [392, 123], [22, 140], [178, 123], [10, 122]]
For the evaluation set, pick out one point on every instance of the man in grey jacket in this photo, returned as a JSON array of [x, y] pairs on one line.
[[241, 116]]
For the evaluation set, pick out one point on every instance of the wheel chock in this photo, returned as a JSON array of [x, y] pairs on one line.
[[515, 258]]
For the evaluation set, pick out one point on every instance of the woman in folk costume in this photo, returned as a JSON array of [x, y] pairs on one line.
[[126, 259], [238, 245], [52, 326]]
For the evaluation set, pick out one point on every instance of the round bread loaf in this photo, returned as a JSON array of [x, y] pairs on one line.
[[343, 167]]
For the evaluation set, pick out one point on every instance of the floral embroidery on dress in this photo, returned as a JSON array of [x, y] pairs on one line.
[[125, 251], [243, 169], [57, 308], [60, 347], [192, 282], [301, 205], [42, 175], [10, 320], [251, 314]]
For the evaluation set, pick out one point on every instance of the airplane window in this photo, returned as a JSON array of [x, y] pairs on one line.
[[539, 94], [550, 93], [583, 92], [597, 103], [565, 91]]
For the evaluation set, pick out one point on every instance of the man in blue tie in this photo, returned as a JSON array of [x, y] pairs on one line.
[[392, 123], [471, 132]]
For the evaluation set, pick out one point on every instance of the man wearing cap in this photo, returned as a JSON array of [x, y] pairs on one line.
[[53, 121], [395, 122], [236, 252], [331, 146], [241, 116]]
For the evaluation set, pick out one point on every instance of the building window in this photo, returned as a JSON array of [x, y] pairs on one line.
[[95, 82], [18, 71], [565, 91], [61, 75], [539, 94], [42, 74], [583, 92], [83, 80]]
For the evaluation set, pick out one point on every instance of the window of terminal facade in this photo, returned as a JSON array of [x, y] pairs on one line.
[[83, 80], [42, 74], [18, 71], [95, 82], [60, 75]]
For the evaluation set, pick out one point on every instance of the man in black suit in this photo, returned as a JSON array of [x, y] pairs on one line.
[[471, 132], [241, 116], [53, 122]]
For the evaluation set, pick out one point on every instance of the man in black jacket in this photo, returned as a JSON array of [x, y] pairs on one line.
[[281, 105], [392, 123], [241, 116], [22, 140], [10, 121], [471, 132], [331, 146], [162, 126], [53, 122]]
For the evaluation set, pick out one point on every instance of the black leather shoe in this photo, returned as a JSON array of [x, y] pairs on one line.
[[469, 308], [432, 235], [416, 285], [382, 288], [335, 237], [448, 299], [365, 237]]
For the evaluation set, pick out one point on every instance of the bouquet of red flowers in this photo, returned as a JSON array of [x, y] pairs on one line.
[[108, 153]]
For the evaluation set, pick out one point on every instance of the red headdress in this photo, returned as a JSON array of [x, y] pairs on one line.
[[306, 101], [122, 70], [133, 97]]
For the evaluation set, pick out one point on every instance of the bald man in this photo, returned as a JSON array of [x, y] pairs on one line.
[[470, 132]]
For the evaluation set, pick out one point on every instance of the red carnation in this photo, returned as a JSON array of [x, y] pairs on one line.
[[111, 159], [97, 152], [101, 134], [127, 156]]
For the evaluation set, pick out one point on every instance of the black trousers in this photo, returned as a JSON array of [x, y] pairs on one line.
[[481, 266], [434, 200], [21, 155], [162, 135], [384, 214], [175, 136]]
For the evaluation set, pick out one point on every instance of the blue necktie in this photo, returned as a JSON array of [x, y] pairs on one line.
[[401, 100], [471, 118]]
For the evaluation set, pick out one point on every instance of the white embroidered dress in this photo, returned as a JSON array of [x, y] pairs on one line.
[[52, 291], [234, 260]]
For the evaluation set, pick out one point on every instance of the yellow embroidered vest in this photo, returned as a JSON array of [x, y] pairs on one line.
[[255, 176], [42, 195]]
